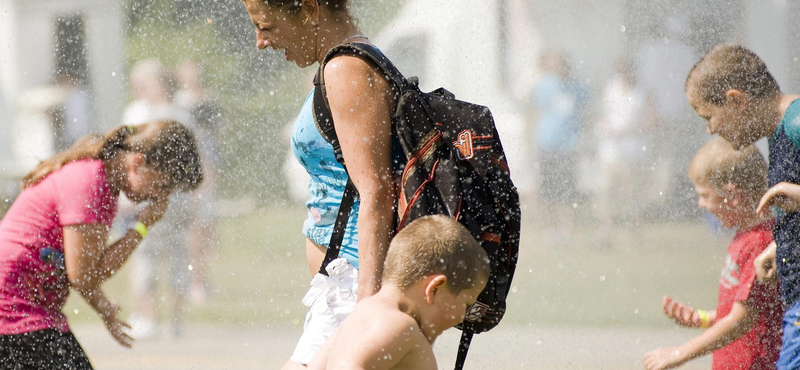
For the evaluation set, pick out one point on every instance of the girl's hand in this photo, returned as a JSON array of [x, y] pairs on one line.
[[662, 358], [766, 264], [683, 315], [784, 195], [153, 212], [116, 327]]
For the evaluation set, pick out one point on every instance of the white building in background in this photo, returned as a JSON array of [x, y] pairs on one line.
[[31, 33], [471, 48]]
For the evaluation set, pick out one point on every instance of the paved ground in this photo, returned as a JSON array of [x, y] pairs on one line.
[[221, 347]]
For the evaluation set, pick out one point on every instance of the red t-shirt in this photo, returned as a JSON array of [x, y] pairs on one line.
[[758, 349], [33, 290]]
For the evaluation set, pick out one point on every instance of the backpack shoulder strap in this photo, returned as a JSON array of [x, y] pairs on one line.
[[322, 111], [463, 348]]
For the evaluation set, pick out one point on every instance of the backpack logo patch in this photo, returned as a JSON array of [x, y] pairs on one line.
[[476, 311], [464, 146]]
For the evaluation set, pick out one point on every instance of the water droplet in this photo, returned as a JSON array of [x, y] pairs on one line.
[[76, 311], [113, 74], [602, 278], [622, 28], [513, 289], [636, 311], [191, 268]]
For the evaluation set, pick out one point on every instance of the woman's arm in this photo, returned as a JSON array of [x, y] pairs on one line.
[[88, 262], [723, 332], [361, 102]]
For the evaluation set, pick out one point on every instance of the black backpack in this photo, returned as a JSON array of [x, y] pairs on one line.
[[453, 164]]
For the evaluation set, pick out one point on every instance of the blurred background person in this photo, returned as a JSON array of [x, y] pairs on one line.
[[153, 88], [626, 116], [73, 119], [192, 96], [662, 64], [558, 100]]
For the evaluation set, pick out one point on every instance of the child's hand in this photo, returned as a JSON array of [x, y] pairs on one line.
[[117, 327], [784, 195], [683, 315], [663, 358], [153, 212], [766, 264]]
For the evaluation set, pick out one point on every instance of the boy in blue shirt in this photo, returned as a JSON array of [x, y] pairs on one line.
[[731, 88]]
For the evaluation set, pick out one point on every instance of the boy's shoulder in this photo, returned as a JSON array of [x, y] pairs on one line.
[[791, 122], [378, 335], [753, 240]]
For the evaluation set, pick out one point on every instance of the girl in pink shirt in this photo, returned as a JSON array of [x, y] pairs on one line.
[[53, 236]]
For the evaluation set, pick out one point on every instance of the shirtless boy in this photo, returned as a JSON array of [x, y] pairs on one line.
[[434, 270]]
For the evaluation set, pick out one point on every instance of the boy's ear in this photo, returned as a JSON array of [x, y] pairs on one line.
[[736, 98], [434, 285]]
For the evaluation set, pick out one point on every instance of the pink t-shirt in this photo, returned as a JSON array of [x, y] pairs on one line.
[[32, 289]]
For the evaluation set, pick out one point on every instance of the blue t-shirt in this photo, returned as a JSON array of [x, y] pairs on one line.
[[559, 104], [328, 180], [784, 165]]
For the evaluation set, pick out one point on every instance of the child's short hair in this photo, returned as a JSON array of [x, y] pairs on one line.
[[435, 245], [718, 164], [728, 67]]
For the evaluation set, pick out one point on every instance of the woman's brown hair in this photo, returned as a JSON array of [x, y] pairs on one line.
[[168, 147], [293, 6]]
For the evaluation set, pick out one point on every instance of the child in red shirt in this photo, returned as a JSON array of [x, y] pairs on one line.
[[53, 237], [744, 331]]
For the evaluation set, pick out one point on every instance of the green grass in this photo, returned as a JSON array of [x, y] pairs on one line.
[[260, 276]]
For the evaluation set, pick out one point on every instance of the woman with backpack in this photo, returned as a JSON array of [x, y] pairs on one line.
[[53, 237], [360, 101]]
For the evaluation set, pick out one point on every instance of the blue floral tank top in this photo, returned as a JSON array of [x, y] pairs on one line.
[[328, 180]]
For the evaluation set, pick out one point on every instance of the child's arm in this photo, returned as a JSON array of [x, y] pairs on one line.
[[88, 262], [108, 312], [723, 332], [784, 195], [766, 264], [687, 316]]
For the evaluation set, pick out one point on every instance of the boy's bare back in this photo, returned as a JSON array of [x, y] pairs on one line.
[[379, 334]]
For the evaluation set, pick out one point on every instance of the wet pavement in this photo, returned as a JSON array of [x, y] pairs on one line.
[[222, 347]]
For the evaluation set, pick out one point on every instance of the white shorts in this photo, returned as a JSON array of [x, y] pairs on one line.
[[331, 299]]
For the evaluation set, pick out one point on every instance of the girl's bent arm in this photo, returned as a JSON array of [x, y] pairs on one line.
[[88, 262], [361, 102]]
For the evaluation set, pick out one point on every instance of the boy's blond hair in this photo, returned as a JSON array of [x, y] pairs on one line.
[[728, 67], [718, 164], [435, 245]]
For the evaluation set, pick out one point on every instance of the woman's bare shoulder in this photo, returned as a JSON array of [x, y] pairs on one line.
[[351, 70]]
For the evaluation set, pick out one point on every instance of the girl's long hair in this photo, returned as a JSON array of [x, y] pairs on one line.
[[168, 147]]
